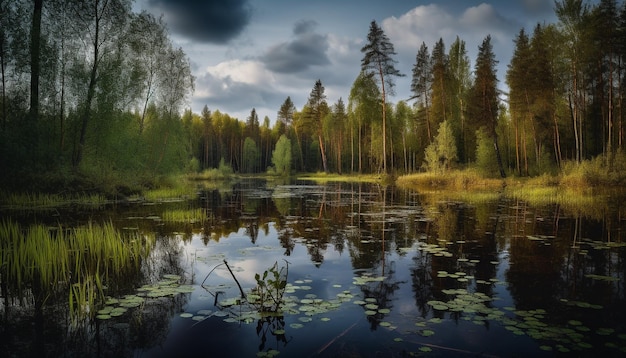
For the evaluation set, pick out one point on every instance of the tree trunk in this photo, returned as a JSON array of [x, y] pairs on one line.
[[498, 155], [2, 68], [90, 94], [323, 152], [35, 65]]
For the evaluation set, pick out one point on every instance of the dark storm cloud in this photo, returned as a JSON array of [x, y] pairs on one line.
[[211, 21], [305, 50]]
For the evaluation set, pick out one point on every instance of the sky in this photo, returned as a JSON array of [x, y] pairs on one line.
[[255, 53]]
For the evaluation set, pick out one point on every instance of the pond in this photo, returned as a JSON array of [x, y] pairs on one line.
[[349, 269]]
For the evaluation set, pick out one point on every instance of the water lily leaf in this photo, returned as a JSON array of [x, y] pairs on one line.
[[427, 332]]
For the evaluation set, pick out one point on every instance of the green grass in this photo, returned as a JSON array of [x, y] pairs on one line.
[[190, 216], [322, 177], [78, 259], [48, 201]]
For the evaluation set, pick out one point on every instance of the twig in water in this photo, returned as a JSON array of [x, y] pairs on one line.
[[243, 295], [334, 339]]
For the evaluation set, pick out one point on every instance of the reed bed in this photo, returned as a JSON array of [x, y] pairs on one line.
[[49, 201], [181, 192], [190, 216], [80, 259]]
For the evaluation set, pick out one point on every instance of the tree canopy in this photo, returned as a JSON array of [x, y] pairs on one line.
[[100, 95]]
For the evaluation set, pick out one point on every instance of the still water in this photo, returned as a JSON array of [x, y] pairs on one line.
[[371, 271]]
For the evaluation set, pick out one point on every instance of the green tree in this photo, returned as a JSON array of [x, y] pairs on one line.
[[460, 83], [149, 44], [250, 156], [483, 102], [281, 157], [517, 79], [421, 84], [336, 127], [363, 109], [573, 18], [207, 131], [485, 154], [440, 85], [441, 154], [35, 64], [286, 111], [378, 60], [106, 22], [318, 110]]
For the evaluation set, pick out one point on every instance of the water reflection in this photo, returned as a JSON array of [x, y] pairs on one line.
[[472, 273]]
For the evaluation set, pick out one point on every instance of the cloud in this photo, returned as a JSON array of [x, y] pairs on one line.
[[307, 49], [538, 7], [208, 21], [484, 19], [421, 24], [229, 84]]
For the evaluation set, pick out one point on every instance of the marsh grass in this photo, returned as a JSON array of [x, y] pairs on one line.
[[190, 216], [571, 191], [81, 260], [49, 201], [322, 177], [451, 180], [181, 191]]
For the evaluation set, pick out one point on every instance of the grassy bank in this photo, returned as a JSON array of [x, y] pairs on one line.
[[579, 190], [321, 177]]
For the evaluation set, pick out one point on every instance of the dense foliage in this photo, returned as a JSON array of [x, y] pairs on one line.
[[96, 98]]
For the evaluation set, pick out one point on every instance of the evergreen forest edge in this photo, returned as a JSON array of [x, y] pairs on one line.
[[106, 114]]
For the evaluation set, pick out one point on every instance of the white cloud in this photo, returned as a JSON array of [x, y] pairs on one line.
[[243, 71], [421, 24]]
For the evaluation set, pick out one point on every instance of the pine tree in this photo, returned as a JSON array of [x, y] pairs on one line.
[[318, 110], [421, 83], [483, 104], [442, 152], [378, 60]]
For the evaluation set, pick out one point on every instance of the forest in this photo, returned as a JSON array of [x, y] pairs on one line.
[[95, 97]]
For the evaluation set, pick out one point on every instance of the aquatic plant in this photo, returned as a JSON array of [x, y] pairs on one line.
[[191, 216], [81, 260], [49, 201], [270, 288]]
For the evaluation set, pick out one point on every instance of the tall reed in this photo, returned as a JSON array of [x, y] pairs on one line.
[[81, 259]]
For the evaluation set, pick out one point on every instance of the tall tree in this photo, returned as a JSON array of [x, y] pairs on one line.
[[378, 60], [573, 21], [35, 64], [206, 136], [460, 83], [286, 111], [605, 23], [363, 104], [517, 80], [483, 105], [421, 83], [149, 44], [337, 127], [318, 110], [440, 84], [106, 21]]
